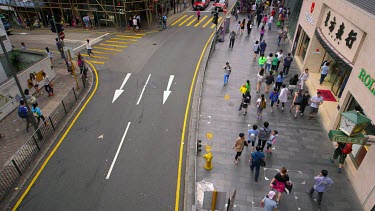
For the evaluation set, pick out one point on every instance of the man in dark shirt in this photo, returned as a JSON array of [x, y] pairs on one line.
[[264, 135], [287, 62], [60, 48]]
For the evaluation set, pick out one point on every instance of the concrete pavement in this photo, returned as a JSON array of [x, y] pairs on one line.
[[302, 147]]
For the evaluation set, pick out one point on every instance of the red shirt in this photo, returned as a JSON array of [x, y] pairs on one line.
[[273, 12]]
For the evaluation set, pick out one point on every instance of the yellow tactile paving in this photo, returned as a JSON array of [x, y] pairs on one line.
[[178, 20], [208, 22], [108, 49], [183, 22], [197, 24], [112, 45]]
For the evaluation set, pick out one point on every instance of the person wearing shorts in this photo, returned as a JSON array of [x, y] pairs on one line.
[[316, 101], [253, 134], [338, 154]]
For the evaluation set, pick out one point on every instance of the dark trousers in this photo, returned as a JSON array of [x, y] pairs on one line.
[[277, 66], [278, 85], [282, 104], [231, 43], [286, 70], [62, 53], [28, 122], [261, 143], [248, 30], [41, 117], [320, 195], [48, 89], [238, 154], [322, 77], [302, 107], [257, 169]]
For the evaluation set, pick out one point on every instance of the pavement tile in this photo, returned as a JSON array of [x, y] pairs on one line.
[[302, 145]]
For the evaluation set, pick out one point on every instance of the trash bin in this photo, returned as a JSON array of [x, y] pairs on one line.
[[226, 24]]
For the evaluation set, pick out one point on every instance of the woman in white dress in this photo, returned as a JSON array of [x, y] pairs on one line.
[[261, 77], [283, 97]]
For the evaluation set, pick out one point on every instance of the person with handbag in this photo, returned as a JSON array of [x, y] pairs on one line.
[[279, 182], [238, 146], [257, 160], [268, 203], [37, 112]]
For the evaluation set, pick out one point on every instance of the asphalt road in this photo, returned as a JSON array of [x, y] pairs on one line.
[[144, 174]]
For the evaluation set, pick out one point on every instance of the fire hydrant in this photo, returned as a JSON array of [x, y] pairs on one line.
[[208, 156]]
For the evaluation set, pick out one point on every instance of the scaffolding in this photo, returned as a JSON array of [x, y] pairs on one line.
[[102, 13]]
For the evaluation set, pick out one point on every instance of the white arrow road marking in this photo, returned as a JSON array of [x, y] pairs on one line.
[[167, 92], [101, 136], [209, 122], [118, 151], [144, 87], [118, 92]]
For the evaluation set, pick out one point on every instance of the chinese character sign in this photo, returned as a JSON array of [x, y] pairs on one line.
[[341, 33]]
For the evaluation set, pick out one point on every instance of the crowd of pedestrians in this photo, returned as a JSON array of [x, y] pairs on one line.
[[278, 91]]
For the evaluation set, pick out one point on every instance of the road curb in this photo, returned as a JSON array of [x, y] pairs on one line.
[[16, 192]]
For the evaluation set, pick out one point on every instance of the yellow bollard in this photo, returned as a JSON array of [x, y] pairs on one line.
[[208, 156]]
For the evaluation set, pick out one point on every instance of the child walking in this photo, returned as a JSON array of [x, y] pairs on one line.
[[271, 141], [38, 113]]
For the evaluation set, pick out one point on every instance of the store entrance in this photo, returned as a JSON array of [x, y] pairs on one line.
[[336, 75]]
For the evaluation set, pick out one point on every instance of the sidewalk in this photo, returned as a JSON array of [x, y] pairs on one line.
[[13, 127], [302, 145]]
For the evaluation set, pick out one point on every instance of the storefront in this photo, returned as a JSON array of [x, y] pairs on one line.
[[342, 34]]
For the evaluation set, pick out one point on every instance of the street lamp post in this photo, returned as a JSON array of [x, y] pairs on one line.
[[29, 113]]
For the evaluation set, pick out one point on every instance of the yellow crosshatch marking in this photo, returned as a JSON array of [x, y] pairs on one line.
[[197, 24], [208, 22], [112, 45], [213, 25], [105, 53], [178, 20], [209, 135], [183, 22], [95, 57], [127, 39], [112, 41], [131, 37], [96, 62], [108, 49], [191, 22]]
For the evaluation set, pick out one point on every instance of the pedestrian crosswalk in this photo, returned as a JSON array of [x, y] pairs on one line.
[[192, 21], [104, 50]]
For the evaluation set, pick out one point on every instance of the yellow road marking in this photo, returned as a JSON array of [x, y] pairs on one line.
[[191, 22], [197, 24], [178, 20], [59, 142], [40, 50], [213, 25], [112, 41], [95, 57], [183, 22], [178, 187], [104, 53], [208, 22], [127, 39], [96, 62], [137, 34], [127, 36], [108, 49], [117, 46]]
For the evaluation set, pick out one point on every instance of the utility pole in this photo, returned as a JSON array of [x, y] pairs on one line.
[[29, 113]]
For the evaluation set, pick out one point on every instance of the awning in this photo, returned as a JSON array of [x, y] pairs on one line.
[[8, 8], [336, 55]]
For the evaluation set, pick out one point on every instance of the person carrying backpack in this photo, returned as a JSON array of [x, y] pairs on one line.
[[22, 113], [261, 104], [341, 152], [164, 21]]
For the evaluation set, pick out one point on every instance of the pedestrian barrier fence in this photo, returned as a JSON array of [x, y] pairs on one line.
[[17, 165]]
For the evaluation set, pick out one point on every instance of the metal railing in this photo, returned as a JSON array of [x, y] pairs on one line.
[[20, 161]]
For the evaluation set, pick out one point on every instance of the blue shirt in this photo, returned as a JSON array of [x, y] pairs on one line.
[[321, 183], [274, 96], [325, 70], [36, 110], [269, 204], [279, 79], [255, 134], [257, 157]]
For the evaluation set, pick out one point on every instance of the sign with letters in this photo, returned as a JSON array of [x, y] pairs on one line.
[[367, 80]]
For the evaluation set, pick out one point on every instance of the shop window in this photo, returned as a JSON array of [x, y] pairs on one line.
[[305, 40], [359, 151]]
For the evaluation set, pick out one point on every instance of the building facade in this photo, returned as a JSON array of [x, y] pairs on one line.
[[342, 32]]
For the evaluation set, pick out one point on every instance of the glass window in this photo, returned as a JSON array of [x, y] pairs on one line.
[[305, 40]]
